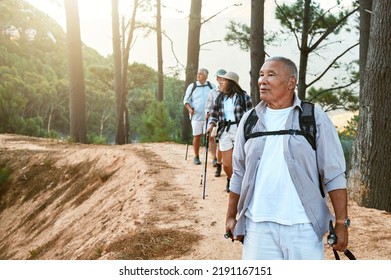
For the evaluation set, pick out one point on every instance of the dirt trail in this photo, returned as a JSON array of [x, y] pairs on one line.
[[137, 201]]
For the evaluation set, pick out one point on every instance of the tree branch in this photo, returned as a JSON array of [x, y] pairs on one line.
[[290, 25], [331, 64], [215, 15], [320, 17], [331, 89], [331, 29], [209, 42], [172, 50]]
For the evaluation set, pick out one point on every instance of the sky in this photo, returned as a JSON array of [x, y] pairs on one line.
[[95, 25]]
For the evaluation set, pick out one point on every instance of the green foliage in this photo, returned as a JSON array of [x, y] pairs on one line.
[[5, 173], [97, 140], [142, 95], [347, 136], [323, 25], [173, 98], [100, 105], [239, 35], [141, 77], [31, 71], [34, 87], [33, 127], [347, 147], [334, 99], [156, 124], [315, 29], [291, 18], [350, 130], [11, 109]]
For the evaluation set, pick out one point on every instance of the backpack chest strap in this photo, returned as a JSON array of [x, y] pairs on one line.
[[277, 132]]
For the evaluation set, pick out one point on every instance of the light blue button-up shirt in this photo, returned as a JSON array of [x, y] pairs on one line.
[[197, 99]]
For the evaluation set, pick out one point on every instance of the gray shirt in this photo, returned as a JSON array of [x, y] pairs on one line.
[[305, 165], [213, 93]]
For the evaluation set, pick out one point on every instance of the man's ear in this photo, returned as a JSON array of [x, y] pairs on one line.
[[292, 82]]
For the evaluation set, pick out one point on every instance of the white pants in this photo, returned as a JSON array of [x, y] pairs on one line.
[[272, 241]]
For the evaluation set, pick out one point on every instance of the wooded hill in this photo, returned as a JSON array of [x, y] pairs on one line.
[[34, 86]]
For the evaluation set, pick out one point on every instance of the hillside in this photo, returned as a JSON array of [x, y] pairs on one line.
[[138, 201]]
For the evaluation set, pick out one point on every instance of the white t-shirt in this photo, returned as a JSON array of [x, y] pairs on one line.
[[275, 198], [229, 107]]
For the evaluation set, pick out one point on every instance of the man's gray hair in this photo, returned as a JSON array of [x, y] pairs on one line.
[[289, 64], [204, 70]]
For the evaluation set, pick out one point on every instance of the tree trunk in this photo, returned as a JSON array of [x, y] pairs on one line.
[[78, 131], [121, 59], [370, 175], [365, 24], [125, 64], [304, 52], [193, 53], [159, 51], [257, 48], [49, 129], [120, 137]]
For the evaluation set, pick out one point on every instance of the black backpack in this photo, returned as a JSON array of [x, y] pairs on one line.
[[306, 121]]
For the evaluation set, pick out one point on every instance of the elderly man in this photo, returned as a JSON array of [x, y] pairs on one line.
[[195, 101], [277, 205]]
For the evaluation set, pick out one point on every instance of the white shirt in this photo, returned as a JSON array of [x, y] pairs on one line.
[[229, 107], [275, 198]]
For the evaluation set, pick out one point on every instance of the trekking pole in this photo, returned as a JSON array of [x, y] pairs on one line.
[[206, 158], [188, 138], [332, 239]]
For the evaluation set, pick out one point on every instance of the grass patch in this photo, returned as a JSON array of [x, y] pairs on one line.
[[5, 173], [154, 244]]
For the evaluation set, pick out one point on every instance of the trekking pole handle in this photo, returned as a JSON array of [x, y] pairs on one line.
[[332, 237]]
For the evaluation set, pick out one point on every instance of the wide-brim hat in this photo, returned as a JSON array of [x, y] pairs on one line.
[[221, 72], [231, 76]]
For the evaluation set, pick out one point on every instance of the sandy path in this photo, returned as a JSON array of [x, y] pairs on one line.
[[91, 201]]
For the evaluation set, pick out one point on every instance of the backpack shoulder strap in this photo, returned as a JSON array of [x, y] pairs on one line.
[[249, 124], [307, 122], [308, 125], [242, 101], [195, 86], [193, 89]]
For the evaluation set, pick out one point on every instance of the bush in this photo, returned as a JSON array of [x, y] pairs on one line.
[[5, 173], [156, 124], [97, 140], [347, 146], [346, 137]]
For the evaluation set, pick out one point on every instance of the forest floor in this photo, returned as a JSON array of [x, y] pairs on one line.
[[67, 201]]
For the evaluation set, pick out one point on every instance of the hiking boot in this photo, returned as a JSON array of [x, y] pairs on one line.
[[227, 187], [214, 162], [218, 170], [197, 160]]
